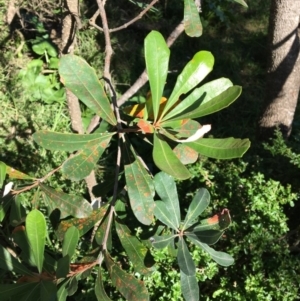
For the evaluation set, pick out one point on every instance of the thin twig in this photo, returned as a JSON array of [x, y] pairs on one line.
[[92, 20]]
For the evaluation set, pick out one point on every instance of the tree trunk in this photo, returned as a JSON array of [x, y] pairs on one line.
[[283, 77]]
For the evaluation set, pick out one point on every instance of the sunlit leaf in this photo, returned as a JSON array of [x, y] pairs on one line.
[[163, 214], [185, 154], [242, 2], [67, 204], [220, 102], [184, 258], [101, 231], [166, 160], [135, 250], [189, 287], [129, 286], [157, 56], [192, 22], [67, 142], [140, 186], [197, 206], [226, 148], [199, 96], [82, 224], [16, 174], [99, 288], [80, 165], [166, 189], [2, 173], [193, 73], [70, 241], [82, 80], [160, 242], [36, 234]]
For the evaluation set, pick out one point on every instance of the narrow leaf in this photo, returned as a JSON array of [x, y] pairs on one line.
[[157, 56], [16, 174], [163, 214], [82, 224], [2, 173], [193, 73], [67, 204], [221, 258], [242, 2], [131, 288], [10, 263], [135, 250], [199, 203], [218, 103], [82, 80], [227, 148], [209, 237], [161, 242], [70, 241], [189, 287], [199, 96], [166, 160], [99, 288], [67, 142], [184, 258], [80, 166], [192, 22], [36, 234], [140, 186], [166, 189]]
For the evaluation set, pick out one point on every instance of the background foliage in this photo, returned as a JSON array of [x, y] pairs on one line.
[[261, 190]]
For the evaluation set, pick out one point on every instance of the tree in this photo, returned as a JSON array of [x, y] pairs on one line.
[[283, 77]]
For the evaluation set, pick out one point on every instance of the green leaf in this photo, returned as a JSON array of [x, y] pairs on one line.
[[185, 154], [227, 148], [16, 174], [36, 231], [131, 288], [10, 263], [17, 211], [221, 258], [223, 100], [199, 203], [68, 142], [70, 241], [140, 186], [62, 292], [161, 242], [200, 96], [157, 56], [242, 2], [82, 224], [166, 189], [2, 173], [166, 160], [67, 204], [184, 258], [80, 165], [209, 237], [48, 291], [163, 214], [99, 288], [17, 289], [135, 250], [189, 287], [219, 221], [63, 267], [100, 233], [82, 80], [192, 22], [193, 73]]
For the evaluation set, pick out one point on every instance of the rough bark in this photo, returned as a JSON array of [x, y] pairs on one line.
[[283, 76]]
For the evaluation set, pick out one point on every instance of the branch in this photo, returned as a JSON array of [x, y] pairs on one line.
[[143, 78], [92, 20]]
